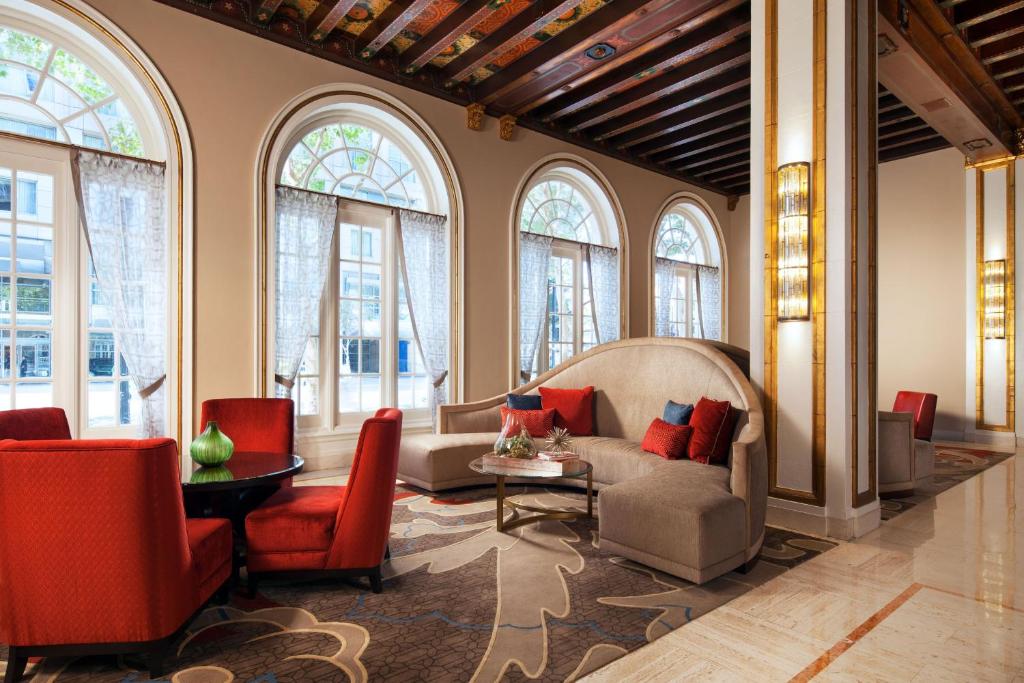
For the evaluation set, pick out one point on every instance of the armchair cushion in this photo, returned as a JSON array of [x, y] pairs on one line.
[[922, 407], [294, 519], [210, 541]]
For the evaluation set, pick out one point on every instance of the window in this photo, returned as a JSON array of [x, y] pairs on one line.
[[684, 243], [57, 344], [568, 205], [365, 355]]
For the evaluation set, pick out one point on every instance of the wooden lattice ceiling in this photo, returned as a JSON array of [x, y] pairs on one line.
[[663, 84]]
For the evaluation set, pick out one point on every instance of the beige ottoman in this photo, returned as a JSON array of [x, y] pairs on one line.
[[681, 518], [441, 461]]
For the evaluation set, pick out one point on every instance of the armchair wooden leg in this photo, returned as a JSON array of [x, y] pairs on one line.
[[376, 584], [387, 552], [155, 662], [16, 664]]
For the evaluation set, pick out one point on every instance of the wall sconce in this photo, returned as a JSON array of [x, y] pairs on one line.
[[994, 279], [794, 240]]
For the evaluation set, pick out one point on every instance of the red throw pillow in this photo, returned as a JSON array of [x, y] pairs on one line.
[[537, 422], [666, 439], [574, 408], [713, 423]]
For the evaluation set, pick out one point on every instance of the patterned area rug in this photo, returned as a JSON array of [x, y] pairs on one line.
[[953, 464], [461, 602]]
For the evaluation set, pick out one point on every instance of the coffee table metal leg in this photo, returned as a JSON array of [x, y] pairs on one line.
[[590, 494], [501, 503]]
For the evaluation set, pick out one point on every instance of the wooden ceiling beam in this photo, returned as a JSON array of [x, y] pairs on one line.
[[387, 25], [704, 146], [730, 121], [683, 100], [265, 10], [451, 28], [927, 30], [597, 27], [718, 177], [740, 161], [709, 110], [901, 113], [705, 40], [705, 67], [515, 30], [903, 127], [984, 14], [322, 20], [921, 147], [979, 39], [724, 23], [724, 155]]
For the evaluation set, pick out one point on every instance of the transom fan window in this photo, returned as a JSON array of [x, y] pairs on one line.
[[687, 293], [48, 92], [365, 354], [569, 270]]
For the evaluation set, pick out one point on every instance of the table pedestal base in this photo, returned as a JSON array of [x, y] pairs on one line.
[[540, 514]]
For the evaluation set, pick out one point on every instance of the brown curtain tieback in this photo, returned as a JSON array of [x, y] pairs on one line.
[[148, 391], [284, 381]]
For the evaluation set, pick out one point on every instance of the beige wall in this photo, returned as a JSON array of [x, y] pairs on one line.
[[737, 244], [922, 282], [231, 84]]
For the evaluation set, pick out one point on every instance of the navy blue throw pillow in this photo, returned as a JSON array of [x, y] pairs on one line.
[[677, 413], [526, 402]]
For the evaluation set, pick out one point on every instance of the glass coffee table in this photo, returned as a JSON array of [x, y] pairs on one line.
[[584, 469]]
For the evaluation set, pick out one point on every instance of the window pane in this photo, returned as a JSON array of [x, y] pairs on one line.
[[99, 311], [130, 405], [5, 396], [369, 357], [371, 323], [309, 395], [102, 404], [34, 395], [5, 245], [5, 354], [5, 300], [348, 318], [35, 249], [371, 282], [33, 301], [34, 197], [33, 354], [101, 354], [370, 388], [349, 283], [348, 394]]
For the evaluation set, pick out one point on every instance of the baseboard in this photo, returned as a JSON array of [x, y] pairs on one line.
[[813, 520], [991, 438], [949, 435], [326, 451]]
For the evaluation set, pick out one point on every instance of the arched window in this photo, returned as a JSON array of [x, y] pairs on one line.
[[365, 354], [61, 88], [569, 267], [687, 267]]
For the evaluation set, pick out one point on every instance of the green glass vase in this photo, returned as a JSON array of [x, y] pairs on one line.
[[210, 475], [212, 447]]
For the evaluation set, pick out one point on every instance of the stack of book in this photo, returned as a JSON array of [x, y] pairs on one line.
[[555, 463]]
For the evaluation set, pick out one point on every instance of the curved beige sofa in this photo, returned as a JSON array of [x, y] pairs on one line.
[[690, 520]]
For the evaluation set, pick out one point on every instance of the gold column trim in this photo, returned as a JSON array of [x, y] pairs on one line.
[[265, 181], [816, 496], [861, 498], [979, 257], [155, 91]]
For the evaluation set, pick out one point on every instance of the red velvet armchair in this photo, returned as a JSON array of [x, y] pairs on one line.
[[906, 455], [254, 424], [96, 556], [34, 424], [332, 530]]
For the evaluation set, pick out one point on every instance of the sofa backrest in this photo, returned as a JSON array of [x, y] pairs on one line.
[[633, 379]]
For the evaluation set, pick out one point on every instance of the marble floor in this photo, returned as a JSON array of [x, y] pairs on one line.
[[937, 594]]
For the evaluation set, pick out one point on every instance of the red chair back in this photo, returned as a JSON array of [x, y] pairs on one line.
[[254, 424], [923, 408], [364, 516], [34, 424], [93, 543]]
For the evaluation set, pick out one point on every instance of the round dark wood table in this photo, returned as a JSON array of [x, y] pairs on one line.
[[235, 489]]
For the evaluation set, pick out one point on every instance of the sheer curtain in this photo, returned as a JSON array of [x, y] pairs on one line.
[[604, 291], [664, 282], [305, 229], [709, 302], [534, 255], [122, 203], [423, 249]]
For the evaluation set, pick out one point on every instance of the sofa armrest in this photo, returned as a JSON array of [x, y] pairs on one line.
[[895, 449], [749, 476], [467, 418]]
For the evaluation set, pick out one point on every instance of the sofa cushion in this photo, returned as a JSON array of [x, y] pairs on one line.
[[698, 520], [524, 401], [615, 460], [574, 408], [439, 461], [537, 422], [666, 439], [677, 413], [713, 424]]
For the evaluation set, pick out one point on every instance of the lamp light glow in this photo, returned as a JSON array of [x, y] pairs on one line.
[[994, 281], [794, 240]]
